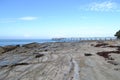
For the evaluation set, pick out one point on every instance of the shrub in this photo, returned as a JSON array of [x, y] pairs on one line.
[[118, 34]]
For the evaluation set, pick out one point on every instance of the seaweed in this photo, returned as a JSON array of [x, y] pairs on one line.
[[101, 44], [39, 55], [88, 54], [105, 54]]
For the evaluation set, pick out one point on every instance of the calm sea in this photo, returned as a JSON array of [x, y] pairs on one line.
[[4, 42]]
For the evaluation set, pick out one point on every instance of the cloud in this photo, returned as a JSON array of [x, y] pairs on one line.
[[102, 6], [27, 18]]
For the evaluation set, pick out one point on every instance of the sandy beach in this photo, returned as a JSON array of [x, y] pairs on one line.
[[85, 60]]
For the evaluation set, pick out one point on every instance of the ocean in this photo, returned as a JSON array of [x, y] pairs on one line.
[[4, 42]]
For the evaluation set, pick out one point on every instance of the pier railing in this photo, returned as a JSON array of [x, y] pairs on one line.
[[83, 39]]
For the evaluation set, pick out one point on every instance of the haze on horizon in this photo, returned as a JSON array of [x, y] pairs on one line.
[[33, 19]]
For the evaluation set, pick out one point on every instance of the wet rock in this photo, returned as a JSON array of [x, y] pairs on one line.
[[31, 45]]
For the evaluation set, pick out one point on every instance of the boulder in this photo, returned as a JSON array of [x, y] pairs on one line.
[[31, 45]]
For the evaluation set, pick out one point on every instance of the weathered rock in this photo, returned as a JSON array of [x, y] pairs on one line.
[[31, 45], [117, 69], [2, 50], [39, 55], [10, 47], [101, 44], [113, 62], [62, 61], [13, 65]]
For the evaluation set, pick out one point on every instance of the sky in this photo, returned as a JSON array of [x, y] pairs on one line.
[[41, 19]]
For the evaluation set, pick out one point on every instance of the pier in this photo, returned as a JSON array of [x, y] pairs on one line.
[[74, 39]]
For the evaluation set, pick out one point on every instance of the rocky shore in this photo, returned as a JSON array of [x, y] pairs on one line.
[[86, 60]]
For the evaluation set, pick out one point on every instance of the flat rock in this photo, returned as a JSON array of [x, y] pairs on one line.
[[61, 61]]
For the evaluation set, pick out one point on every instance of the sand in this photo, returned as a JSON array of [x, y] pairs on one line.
[[61, 61]]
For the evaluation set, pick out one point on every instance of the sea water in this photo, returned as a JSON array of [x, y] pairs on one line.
[[4, 42]]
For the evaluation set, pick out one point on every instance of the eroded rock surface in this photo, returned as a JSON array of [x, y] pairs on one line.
[[10, 47], [31, 45], [1, 50], [59, 61]]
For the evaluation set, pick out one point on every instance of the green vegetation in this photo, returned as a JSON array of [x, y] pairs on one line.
[[118, 34]]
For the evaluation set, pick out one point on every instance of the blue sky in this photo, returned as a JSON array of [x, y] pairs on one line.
[[59, 18]]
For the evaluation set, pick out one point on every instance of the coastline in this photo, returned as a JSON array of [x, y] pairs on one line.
[[84, 60], [5, 42]]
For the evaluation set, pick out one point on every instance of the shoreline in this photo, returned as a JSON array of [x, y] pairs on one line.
[[5, 42]]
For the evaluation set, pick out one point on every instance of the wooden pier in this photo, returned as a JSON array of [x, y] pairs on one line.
[[83, 39]]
